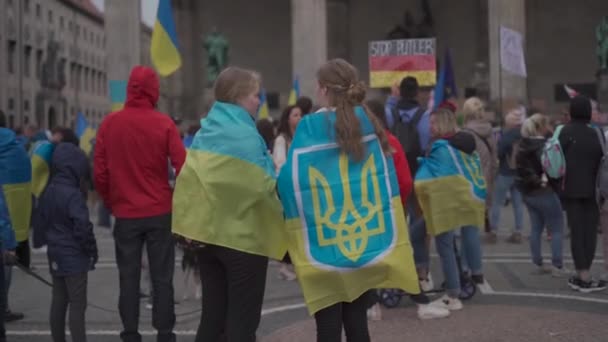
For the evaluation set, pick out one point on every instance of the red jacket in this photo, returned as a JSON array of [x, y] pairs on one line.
[[404, 177], [132, 151]]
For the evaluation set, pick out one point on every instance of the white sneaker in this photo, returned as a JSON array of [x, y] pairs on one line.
[[449, 303], [374, 313], [428, 311], [542, 270], [560, 272], [427, 285]]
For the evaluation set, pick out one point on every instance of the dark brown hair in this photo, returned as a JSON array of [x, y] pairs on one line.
[[284, 123]]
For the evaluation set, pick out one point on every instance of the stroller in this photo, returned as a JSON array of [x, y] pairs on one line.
[[390, 298]]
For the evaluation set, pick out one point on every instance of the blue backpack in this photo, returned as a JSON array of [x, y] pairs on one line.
[[552, 157]]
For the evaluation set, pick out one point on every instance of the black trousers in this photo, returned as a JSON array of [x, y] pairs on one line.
[[129, 238], [2, 300], [583, 219], [69, 291], [233, 292], [352, 315]]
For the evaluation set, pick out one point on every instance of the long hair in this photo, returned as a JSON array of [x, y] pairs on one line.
[[345, 91], [284, 128]]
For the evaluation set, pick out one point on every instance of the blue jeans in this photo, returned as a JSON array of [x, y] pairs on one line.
[[417, 228], [445, 247], [470, 250], [545, 211], [503, 185]]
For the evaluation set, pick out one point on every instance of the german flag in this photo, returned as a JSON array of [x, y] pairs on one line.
[[391, 61]]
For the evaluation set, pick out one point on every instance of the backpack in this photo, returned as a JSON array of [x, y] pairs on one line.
[[408, 136], [602, 172], [484, 140], [552, 156]]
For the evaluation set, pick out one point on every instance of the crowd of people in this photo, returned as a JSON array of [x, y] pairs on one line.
[[216, 192]]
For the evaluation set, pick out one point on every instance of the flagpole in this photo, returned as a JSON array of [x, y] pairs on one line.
[[500, 99]]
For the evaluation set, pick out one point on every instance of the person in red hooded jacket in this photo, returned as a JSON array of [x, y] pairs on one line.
[[132, 148]]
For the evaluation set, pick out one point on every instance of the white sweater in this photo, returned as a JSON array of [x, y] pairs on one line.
[[279, 152]]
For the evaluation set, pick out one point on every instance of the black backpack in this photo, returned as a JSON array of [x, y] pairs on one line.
[[408, 136]]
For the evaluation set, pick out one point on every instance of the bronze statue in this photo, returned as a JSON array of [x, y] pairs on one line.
[[53, 69], [601, 34], [217, 54]]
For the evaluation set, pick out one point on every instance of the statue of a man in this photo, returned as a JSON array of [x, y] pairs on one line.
[[601, 34], [217, 54]]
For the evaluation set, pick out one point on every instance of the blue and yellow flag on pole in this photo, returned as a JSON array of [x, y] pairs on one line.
[[118, 94], [225, 194], [451, 189], [295, 92], [16, 181], [164, 48], [41, 155], [345, 222], [85, 134], [263, 112]]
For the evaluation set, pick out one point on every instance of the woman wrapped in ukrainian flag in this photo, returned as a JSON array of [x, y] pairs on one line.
[[225, 199]]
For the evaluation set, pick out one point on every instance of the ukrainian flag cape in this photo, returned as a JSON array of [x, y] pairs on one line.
[[226, 192], [450, 188], [15, 178], [345, 222], [42, 154]]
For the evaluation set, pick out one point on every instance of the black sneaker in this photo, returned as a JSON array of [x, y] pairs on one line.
[[478, 279], [10, 316], [592, 286], [574, 283]]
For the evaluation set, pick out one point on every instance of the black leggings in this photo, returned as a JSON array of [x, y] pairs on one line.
[[583, 219], [233, 293], [352, 315]]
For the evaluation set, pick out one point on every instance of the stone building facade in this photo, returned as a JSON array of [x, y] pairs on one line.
[[283, 38], [54, 61]]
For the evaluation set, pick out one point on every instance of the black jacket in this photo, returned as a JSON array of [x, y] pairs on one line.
[[62, 216], [463, 141], [529, 173], [583, 153], [505, 148]]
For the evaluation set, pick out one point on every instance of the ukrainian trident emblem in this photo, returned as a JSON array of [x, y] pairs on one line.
[[351, 213]]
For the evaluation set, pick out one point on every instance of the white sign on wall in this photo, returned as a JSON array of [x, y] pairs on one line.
[[512, 52]]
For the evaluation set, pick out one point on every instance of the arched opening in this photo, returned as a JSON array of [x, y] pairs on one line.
[[52, 118]]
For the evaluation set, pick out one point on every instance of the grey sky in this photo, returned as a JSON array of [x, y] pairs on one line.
[[148, 9]]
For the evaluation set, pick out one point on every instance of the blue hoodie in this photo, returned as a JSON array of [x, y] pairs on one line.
[[61, 219], [7, 235]]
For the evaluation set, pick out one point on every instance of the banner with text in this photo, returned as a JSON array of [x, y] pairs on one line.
[[512, 56], [392, 60]]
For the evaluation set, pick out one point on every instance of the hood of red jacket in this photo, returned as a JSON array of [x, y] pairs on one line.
[[143, 88]]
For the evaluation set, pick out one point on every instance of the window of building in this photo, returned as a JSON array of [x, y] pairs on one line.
[[27, 61], [9, 3], [92, 37], [86, 79], [38, 11], [38, 63], [26, 105], [12, 50], [70, 26], [11, 103], [11, 121], [84, 33], [50, 17], [26, 120], [61, 23], [77, 30], [26, 6]]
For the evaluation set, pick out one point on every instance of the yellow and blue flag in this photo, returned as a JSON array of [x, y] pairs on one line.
[[42, 156], [118, 94], [16, 182], [345, 222], [263, 112], [450, 188], [164, 47], [86, 133], [295, 92], [214, 203]]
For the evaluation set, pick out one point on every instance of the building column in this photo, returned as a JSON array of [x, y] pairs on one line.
[[309, 41], [123, 37], [506, 89]]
